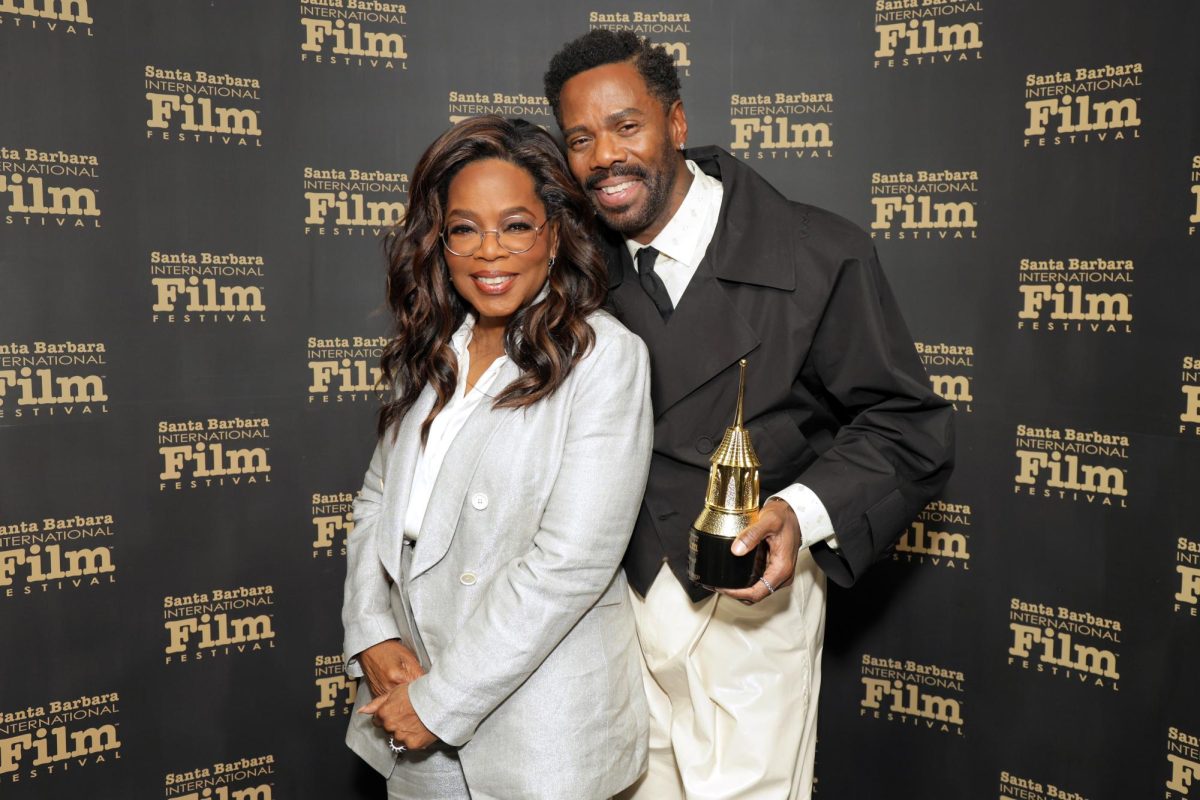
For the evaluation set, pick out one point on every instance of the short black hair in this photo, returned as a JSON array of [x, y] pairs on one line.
[[603, 46]]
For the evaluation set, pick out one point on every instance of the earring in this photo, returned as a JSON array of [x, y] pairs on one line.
[[550, 265], [681, 146]]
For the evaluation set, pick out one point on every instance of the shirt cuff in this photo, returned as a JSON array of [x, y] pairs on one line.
[[815, 524], [352, 668]]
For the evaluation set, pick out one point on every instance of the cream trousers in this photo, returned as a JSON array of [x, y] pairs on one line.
[[732, 691]]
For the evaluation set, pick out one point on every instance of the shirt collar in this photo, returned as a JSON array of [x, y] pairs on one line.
[[683, 239], [462, 337]]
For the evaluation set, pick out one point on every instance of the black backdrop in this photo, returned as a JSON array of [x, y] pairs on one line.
[[191, 195]]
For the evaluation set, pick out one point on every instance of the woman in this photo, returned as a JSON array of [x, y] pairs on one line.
[[484, 604]]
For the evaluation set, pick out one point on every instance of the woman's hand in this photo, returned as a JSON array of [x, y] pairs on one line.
[[387, 665], [394, 713]]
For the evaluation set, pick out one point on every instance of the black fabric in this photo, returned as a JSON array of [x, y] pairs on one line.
[[836, 397]]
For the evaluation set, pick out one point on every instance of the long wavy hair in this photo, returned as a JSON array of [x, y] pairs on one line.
[[545, 339]]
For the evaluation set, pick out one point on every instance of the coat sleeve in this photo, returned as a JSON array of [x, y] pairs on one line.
[[537, 597], [896, 450], [366, 611]]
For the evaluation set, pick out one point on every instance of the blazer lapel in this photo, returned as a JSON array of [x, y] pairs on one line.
[[454, 477], [398, 481]]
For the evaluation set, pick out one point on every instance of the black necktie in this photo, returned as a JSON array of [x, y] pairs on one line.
[[652, 283]]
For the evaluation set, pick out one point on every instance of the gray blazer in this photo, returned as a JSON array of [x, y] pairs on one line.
[[512, 596]]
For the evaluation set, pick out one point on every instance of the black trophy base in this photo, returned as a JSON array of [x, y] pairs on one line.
[[711, 563]]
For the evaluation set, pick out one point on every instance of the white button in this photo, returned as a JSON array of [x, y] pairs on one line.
[[467, 579], [479, 500]]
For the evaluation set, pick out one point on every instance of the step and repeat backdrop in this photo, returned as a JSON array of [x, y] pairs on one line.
[[192, 195]]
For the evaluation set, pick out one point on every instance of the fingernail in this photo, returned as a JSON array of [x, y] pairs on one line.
[[739, 547]]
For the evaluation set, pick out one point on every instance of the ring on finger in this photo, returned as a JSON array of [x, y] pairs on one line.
[[767, 583]]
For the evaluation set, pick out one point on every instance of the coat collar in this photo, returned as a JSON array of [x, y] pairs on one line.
[[707, 334], [747, 246]]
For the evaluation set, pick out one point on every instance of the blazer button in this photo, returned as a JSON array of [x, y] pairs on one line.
[[467, 579], [479, 500], [704, 445]]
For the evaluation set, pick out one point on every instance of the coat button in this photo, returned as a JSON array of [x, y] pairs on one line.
[[479, 500], [704, 445], [467, 579]]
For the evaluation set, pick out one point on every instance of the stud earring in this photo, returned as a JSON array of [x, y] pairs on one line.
[[550, 265]]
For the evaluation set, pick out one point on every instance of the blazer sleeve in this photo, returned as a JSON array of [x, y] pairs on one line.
[[537, 598], [366, 610], [897, 449]]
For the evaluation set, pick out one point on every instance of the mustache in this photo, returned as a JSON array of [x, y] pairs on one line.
[[618, 171]]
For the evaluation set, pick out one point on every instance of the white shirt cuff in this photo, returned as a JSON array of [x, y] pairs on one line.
[[815, 524]]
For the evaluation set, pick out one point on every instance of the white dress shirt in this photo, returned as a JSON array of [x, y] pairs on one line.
[[682, 243], [445, 427], [681, 246]]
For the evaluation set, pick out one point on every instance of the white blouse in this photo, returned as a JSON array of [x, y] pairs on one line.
[[445, 427]]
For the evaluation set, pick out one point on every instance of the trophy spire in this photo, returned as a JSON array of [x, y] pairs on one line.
[[737, 417], [730, 504], [733, 476]]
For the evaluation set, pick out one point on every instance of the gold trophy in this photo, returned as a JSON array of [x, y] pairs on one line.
[[730, 505]]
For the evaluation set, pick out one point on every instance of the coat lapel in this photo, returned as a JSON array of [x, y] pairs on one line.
[[703, 337], [706, 333], [454, 477]]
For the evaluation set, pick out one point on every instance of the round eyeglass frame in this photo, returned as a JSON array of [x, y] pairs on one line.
[[483, 235]]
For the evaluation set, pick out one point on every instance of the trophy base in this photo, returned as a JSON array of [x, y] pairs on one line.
[[711, 563]]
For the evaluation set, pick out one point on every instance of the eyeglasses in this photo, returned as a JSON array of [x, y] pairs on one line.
[[515, 234]]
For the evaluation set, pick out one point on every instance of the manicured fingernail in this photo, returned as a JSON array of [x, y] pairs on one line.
[[739, 547]]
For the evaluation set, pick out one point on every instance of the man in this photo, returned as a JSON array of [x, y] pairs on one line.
[[709, 264]]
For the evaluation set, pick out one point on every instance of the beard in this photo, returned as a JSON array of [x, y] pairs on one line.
[[657, 178]]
